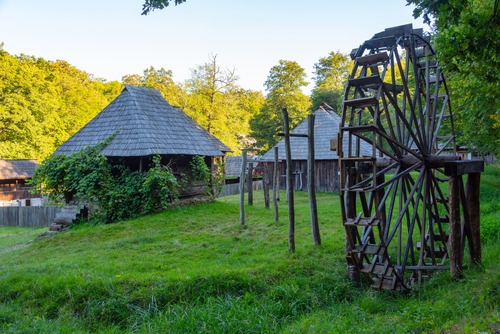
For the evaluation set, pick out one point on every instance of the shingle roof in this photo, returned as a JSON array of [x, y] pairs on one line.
[[145, 124], [326, 128], [17, 169]]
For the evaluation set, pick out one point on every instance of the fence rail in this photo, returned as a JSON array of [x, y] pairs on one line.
[[28, 216]]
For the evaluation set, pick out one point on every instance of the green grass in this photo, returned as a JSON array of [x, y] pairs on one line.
[[195, 269]]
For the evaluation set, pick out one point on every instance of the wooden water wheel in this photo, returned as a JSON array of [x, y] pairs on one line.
[[396, 135]]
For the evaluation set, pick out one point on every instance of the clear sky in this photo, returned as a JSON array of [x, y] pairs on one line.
[[110, 38]]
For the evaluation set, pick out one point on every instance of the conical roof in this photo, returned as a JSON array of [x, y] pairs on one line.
[[144, 124], [326, 128]]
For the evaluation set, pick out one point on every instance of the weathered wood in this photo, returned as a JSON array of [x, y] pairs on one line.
[[462, 167], [276, 184], [473, 201], [29, 216], [289, 183], [265, 187], [311, 182], [242, 186], [249, 183], [455, 238]]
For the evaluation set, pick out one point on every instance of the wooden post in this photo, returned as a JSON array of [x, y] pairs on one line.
[[472, 198], [311, 187], [454, 170], [289, 183], [455, 238], [265, 185], [250, 184], [276, 184], [242, 186]]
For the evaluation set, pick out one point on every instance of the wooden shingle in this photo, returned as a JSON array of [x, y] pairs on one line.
[[144, 124]]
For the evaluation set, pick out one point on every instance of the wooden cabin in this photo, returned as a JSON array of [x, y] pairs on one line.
[[326, 128], [144, 125], [13, 177]]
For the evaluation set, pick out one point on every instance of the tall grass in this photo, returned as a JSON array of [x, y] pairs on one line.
[[195, 269]]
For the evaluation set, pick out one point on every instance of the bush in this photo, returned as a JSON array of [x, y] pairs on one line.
[[113, 192]]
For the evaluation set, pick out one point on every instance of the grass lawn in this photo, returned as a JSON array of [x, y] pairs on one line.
[[195, 269]]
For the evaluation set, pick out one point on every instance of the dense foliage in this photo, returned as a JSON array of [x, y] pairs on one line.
[[43, 103], [114, 192], [284, 90], [330, 76], [467, 39]]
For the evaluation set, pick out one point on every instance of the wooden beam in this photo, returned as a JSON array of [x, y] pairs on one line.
[[472, 198], [461, 167]]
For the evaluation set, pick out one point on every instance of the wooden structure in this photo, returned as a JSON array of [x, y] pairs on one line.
[[143, 125], [401, 222], [326, 166], [13, 177]]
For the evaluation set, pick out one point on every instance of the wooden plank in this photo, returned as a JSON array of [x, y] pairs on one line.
[[461, 167], [371, 81], [361, 102], [373, 59], [377, 43]]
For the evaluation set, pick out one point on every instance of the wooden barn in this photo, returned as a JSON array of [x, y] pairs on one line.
[[13, 177], [326, 128], [143, 125]]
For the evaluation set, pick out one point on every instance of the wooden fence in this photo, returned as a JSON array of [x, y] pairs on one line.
[[28, 216], [233, 189]]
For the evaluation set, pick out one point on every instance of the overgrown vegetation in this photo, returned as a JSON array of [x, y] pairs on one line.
[[113, 192], [195, 269]]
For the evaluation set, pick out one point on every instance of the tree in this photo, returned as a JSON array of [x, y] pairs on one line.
[[161, 80], [150, 5], [331, 73], [467, 40], [42, 103], [283, 86], [218, 104]]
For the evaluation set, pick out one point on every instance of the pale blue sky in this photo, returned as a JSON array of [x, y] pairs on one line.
[[109, 38]]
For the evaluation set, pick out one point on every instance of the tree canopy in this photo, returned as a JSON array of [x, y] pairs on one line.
[[467, 40], [43, 103], [331, 73], [284, 90], [150, 5]]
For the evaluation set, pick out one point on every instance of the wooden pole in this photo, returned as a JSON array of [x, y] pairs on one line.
[[265, 185], [472, 195], [276, 184], [289, 183], [311, 186], [242, 186], [455, 238], [250, 184]]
